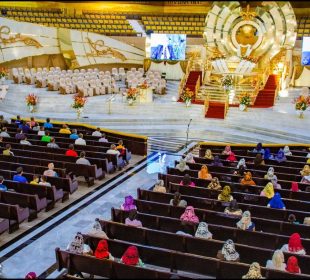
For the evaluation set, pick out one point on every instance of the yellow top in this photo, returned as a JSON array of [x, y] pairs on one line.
[[34, 183], [6, 153], [308, 161], [65, 131]]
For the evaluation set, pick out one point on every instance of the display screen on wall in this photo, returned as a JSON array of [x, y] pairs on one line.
[[168, 46], [305, 57]]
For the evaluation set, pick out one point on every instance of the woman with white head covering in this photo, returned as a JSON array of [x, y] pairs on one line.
[[203, 231], [182, 166], [77, 245], [190, 158], [287, 151], [245, 222], [228, 252], [160, 187], [97, 231], [277, 261], [270, 174], [241, 163]]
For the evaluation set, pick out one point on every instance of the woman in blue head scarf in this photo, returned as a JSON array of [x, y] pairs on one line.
[[276, 202], [280, 156], [268, 154]]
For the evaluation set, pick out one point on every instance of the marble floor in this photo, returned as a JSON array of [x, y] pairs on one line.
[[41, 243]]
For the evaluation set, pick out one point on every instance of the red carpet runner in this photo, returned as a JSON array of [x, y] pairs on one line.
[[266, 96], [216, 110]]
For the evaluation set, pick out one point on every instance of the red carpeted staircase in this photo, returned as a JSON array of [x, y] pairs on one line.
[[266, 96], [216, 110], [192, 79]]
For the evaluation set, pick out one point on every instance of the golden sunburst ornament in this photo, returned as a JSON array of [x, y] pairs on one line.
[[247, 15]]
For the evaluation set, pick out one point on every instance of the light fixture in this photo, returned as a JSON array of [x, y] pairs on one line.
[[280, 66]]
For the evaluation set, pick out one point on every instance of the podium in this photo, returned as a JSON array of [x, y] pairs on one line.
[[146, 95]]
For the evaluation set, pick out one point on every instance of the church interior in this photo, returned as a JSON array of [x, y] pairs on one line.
[[154, 139]]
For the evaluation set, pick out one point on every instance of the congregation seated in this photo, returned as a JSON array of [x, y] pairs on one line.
[[189, 216], [102, 251], [32, 123], [225, 195], [182, 166], [259, 160], [247, 179], [113, 150], [80, 140], [305, 180], [47, 124], [50, 171], [20, 134], [132, 219], [268, 191], [294, 245], [160, 187], [227, 151], [18, 177], [41, 131], [3, 187], [74, 134], [240, 171], [18, 120], [276, 202], [44, 182], [97, 231], [259, 149], [25, 141], [122, 150], [4, 132], [52, 143], [292, 219], [129, 204], [46, 137], [25, 127], [287, 151], [280, 156], [82, 159], [203, 231], [97, 132], [103, 138], [228, 252], [268, 155], [3, 121], [204, 173], [305, 171], [270, 174], [187, 182], [277, 261], [254, 272], [177, 201], [231, 157], [65, 129], [233, 208], [189, 158], [35, 180], [208, 154], [71, 152], [214, 184], [7, 151], [241, 163], [131, 257], [245, 222], [217, 161]]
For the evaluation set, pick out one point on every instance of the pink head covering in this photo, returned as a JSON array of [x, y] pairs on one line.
[[189, 215], [294, 187], [31, 275]]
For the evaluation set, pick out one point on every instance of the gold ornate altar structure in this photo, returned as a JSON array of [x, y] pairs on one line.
[[244, 46]]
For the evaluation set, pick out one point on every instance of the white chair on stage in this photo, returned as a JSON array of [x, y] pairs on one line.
[[99, 89], [16, 77], [29, 78], [57, 68], [115, 74], [122, 74], [107, 86], [3, 91]]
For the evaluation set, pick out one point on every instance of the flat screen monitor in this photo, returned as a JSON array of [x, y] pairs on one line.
[[305, 56], [168, 46]]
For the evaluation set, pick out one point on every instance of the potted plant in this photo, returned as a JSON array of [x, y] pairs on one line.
[[245, 101], [78, 104], [187, 96], [31, 101], [131, 96], [227, 82], [301, 105]]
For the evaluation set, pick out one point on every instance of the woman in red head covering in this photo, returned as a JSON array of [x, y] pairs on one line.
[[131, 257], [294, 245], [292, 265], [102, 251]]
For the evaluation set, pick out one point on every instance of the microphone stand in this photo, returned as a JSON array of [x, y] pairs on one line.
[[187, 131]]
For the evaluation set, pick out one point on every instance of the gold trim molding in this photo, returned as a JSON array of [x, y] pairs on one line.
[[98, 50], [28, 41]]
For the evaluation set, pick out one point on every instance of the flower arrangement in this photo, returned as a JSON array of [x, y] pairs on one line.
[[245, 99], [3, 73], [227, 82], [78, 102], [302, 102], [31, 100], [132, 94], [187, 95], [144, 85], [250, 58]]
